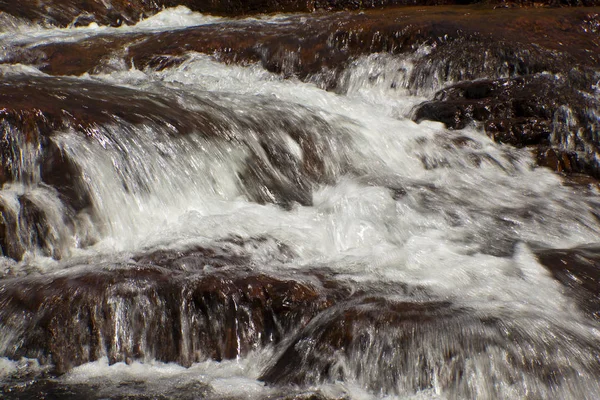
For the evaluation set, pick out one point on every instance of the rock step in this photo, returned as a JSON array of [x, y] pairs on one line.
[[143, 312]]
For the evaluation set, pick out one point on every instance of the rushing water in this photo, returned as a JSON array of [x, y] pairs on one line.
[[342, 181]]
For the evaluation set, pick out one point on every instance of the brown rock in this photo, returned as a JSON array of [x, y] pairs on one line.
[[466, 43], [34, 109], [10, 245], [557, 160], [478, 46], [145, 312], [533, 110], [405, 347]]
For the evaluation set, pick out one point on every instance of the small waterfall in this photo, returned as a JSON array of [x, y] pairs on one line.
[[259, 223]]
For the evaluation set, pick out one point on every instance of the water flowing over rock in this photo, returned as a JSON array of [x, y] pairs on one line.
[[179, 312], [38, 111], [534, 110], [341, 203], [578, 270], [377, 343], [445, 47]]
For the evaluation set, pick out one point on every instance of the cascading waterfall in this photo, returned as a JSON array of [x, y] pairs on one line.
[[225, 232]]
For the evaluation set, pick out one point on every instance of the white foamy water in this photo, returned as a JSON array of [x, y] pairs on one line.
[[16, 32], [168, 19], [394, 202]]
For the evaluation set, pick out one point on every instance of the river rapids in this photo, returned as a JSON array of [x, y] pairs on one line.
[[201, 228]]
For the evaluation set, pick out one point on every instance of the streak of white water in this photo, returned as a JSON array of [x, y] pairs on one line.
[[180, 17]]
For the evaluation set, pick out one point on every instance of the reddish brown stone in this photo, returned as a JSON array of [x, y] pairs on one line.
[[10, 245], [136, 311], [306, 45], [466, 43]]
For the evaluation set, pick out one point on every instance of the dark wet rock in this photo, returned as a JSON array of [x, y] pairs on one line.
[[148, 312], [267, 185], [38, 230], [227, 252], [536, 110], [275, 174], [307, 396], [519, 111], [557, 160], [10, 245], [405, 347], [579, 270], [35, 109], [79, 12], [62, 173], [46, 389], [40, 106], [196, 258], [581, 181], [26, 224], [165, 388], [44, 386], [485, 53]]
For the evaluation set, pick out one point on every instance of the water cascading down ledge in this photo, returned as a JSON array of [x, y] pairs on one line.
[[353, 201]]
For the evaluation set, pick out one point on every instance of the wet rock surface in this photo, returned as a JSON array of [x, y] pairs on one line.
[[144, 312], [307, 45], [34, 111], [579, 270], [368, 340], [542, 111], [527, 76], [164, 389], [41, 106], [533, 86]]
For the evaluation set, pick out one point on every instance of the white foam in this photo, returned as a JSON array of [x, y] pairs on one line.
[[180, 17], [7, 367]]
